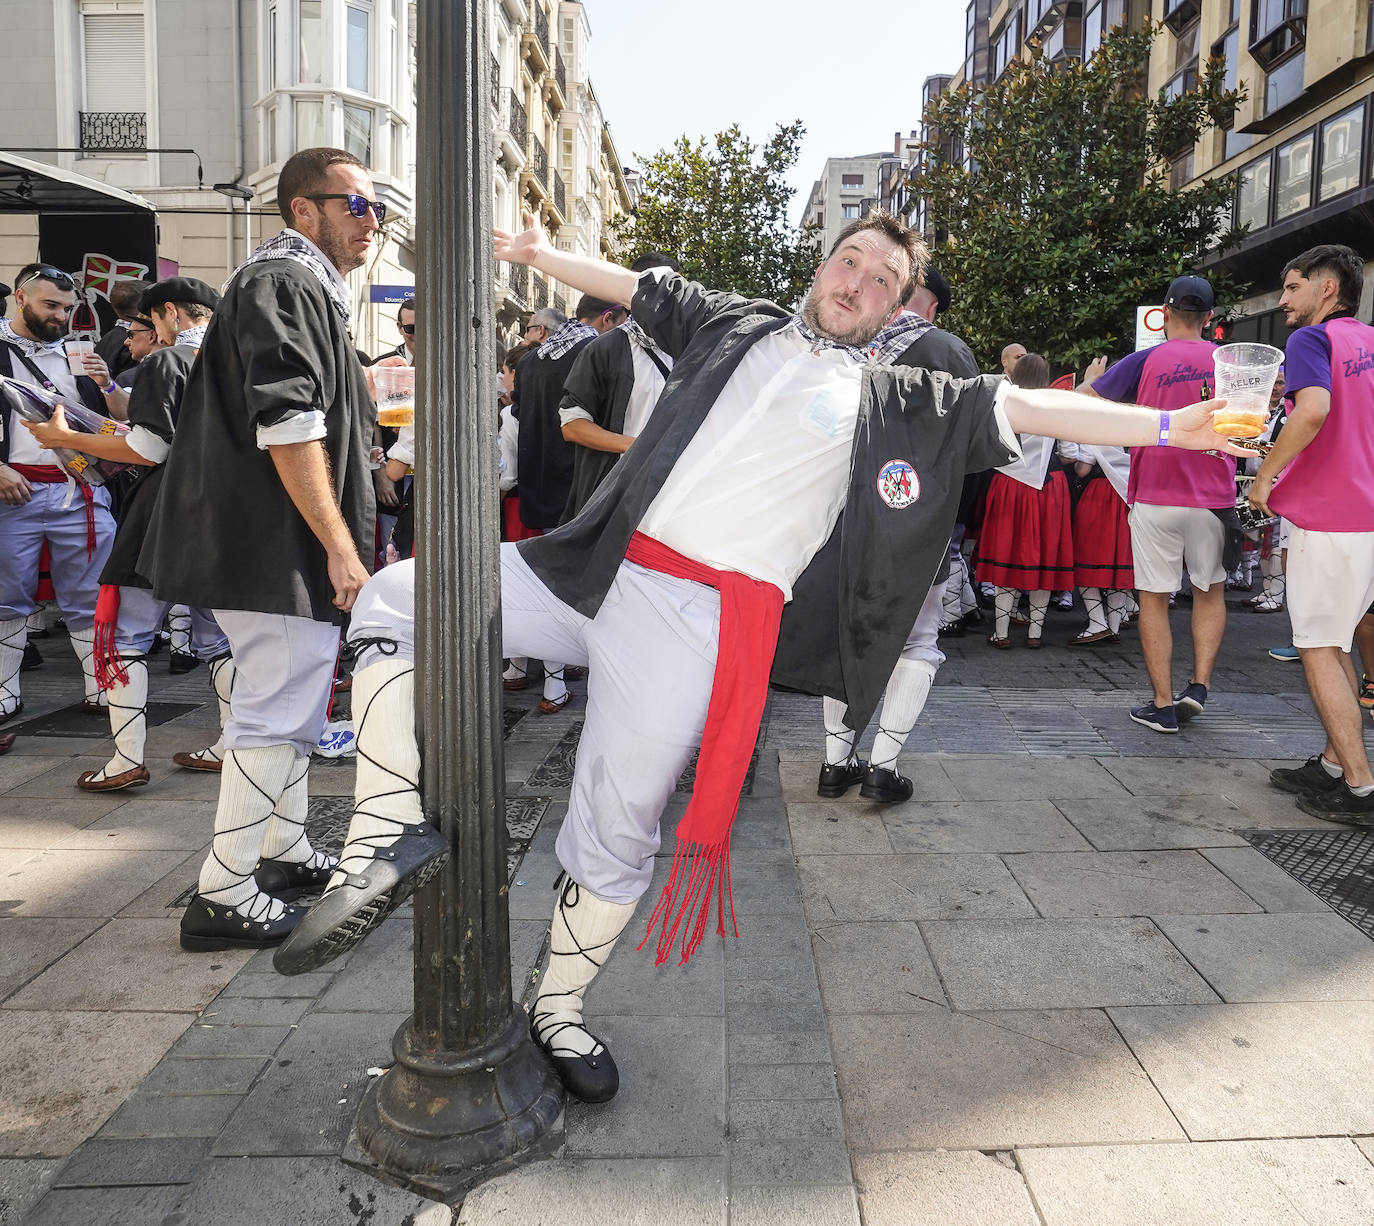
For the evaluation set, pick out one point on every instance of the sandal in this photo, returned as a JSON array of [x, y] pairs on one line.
[[547, 706], [1084, 637], [1000, 644]]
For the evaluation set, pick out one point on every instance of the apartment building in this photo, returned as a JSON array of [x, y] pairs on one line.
[[846, 190], [1301, 147], [164, 101]]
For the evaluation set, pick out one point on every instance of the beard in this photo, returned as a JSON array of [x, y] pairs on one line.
[[859, 334], [45, 330], [334, 244]]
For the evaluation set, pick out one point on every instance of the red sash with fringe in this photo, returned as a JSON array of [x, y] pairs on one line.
[[750, 613], [50, 474]]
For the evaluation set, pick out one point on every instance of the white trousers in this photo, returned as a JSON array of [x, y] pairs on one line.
[[285, 666], [651, 657], [923, 643], [140, 618]]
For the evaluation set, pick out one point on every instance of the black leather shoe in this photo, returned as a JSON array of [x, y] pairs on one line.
[[352, 909], [835, 781], [179, 662], [210, 926], [593, 1079], [886, 787], [283, 879], [33, 658]]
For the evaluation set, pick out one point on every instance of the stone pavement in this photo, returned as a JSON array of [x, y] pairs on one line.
[[1059, 987]]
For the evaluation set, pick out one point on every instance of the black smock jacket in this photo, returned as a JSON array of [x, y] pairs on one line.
[[154, 403], [545, 457], [224, 533], [885, 556]]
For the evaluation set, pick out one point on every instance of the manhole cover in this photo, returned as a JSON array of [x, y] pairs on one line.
[[1336, 865]]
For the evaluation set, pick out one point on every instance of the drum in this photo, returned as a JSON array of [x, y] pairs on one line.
[[1248, 519]]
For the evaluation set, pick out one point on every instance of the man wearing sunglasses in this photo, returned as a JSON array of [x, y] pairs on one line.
[[124, 298], [36, 506], [268, 476]]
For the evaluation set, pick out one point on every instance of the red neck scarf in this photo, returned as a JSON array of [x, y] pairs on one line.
[[750, 612]]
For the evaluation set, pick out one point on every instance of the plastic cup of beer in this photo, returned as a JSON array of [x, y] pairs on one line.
[[76, 355], [395, 387], [1245, 376]]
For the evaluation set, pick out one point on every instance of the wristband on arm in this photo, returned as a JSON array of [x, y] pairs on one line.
[[1163, 440], [114, 387]]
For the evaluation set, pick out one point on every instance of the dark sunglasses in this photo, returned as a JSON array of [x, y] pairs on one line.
[[59, 278], [357, 205], [142, 331], [408, 329]]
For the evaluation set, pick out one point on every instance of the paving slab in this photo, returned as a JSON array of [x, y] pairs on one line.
[[822, 827], [1366, 1145], [1276, 957], [779, 1047], [305, 1102], [1061, 964], [593, 1192], [22, 1182], [201, 1040], [76, 884], [793, 1206], [868, 889], [774, 1119], [26, 823], [1263, 880], [942, 1189], [672, 1091], [1262, 1070], [800, 769], [132, 964], [180, 1115], [1143, 824], [1259, 1183], [104, 1206], [630, 983], [1159, 777], [759, 1162], [380, 974], [875, 968], [1012, 777], [16, 769], [148, 824], [964, 826], [66, 1072], [28, 946], [301, 1191], [125, 1163], [991, 1081], [156, 901], [1113, 883]]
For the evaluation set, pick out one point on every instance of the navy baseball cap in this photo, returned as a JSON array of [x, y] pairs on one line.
[[1190, 294]]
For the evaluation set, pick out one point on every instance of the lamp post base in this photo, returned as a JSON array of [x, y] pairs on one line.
[[441, 1123]]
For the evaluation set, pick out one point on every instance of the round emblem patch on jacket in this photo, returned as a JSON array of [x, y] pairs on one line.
[[898, 485]]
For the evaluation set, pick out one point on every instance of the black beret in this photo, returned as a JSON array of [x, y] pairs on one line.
[[178, 289], [937, 285], [5, 290]]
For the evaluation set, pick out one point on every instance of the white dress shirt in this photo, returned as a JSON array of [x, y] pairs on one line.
[[24, 448]]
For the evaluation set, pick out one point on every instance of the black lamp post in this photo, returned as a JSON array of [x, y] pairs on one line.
[[469, 1095]]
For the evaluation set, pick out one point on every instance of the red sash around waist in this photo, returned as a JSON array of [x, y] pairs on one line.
[[50, 474], [750, 613]]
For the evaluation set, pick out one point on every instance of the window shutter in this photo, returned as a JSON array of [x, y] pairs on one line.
[[116, 73]]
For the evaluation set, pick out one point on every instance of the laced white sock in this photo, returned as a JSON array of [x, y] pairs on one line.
[[83, 644], [14, 634], [128, 719], [585, 929], [249, 787], [1117, 600], [1039, 602], [839, 739], [1097, 614], [386, 790], [179, 627], [555, 689], [905, 699], [516, 669], [285, 838], [1004, 601], [222, 674]]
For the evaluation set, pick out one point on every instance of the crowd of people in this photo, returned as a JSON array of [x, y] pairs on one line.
[[703, 495]]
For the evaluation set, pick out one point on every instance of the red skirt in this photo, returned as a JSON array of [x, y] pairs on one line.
[[1102, 538], [1027, 540]]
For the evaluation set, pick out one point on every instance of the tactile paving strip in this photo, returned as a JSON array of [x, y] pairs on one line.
[[1337, 866]]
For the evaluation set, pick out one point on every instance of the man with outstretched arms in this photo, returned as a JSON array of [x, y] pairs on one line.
[[671, 582]]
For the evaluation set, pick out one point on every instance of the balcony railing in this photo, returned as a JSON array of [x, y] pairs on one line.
[[518, 122], [518, 277], [540, 163], [541, 293], [114, 131], [560, 304], [495, 85], [560, 72], [541, 27], [560, 195]]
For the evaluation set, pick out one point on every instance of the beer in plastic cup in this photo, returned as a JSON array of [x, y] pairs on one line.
[[395, 387], [76, 355], [1245, 376]]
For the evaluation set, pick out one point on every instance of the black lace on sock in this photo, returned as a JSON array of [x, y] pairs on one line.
[[545, 1028], [136, 713], [15, 640]]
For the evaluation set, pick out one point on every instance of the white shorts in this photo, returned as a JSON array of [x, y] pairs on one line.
[[1164, 538], [1330, 585]]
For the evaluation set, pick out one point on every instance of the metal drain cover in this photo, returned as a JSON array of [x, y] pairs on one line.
[[1336, 865]]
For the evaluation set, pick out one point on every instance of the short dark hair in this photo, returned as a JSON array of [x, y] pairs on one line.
[[192, 310], [655, 259], [407, 304], [1196, 320], [1333, 260], [30, 273], [589, 307], [1031, 371], [884, 223], [125, 295], [305, 173], [515, 353]]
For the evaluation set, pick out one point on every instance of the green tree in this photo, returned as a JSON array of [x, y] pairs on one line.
[[720, 207], [1061, 220]]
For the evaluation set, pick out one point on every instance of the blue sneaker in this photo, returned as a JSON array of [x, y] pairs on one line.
[[1161, 719], [1284, 653], [337, 741], [1190, 702]]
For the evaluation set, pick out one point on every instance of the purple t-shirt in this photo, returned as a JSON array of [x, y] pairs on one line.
[[1171, 376]]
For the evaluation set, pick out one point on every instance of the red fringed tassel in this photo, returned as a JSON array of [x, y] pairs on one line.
[[707, 881], [109, 666]]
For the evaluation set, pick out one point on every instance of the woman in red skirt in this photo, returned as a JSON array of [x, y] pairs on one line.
[[1026, 544], [1102, 546]]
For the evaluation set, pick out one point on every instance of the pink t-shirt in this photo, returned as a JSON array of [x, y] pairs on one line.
[[1171, 376], [1326, 487]]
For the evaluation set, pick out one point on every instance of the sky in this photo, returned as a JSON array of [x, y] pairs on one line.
[[852, 72]]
